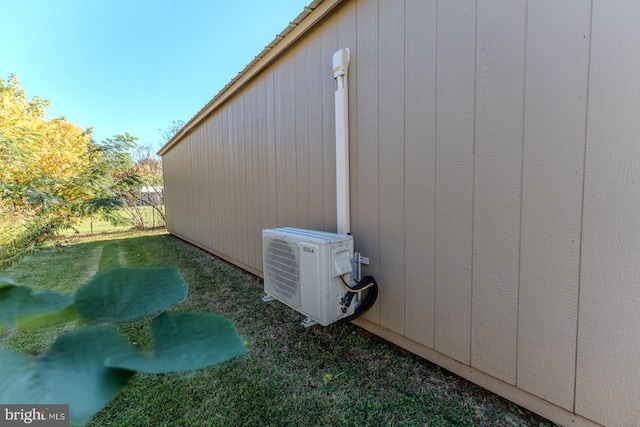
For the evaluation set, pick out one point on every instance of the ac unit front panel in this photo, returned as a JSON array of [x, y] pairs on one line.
[[310, 271]]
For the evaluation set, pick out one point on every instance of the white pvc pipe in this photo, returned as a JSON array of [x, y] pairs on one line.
[[340, 68]]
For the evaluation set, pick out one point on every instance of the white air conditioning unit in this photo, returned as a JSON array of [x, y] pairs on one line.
[[303, 269]]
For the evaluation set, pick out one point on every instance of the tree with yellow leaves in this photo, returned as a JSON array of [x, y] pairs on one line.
[[51, 171]]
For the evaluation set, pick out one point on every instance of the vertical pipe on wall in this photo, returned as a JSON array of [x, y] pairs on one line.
[[340, 66]]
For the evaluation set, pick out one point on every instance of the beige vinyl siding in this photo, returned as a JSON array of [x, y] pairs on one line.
[[315, 69], [608, 363], [200, 205], [420, 170], [553, 171], [495, 185], [178, 189], [256, 183], [281, 178], [301, 126], [267, 124], [366, 139], [499, 105], [391, 170], [455, 103]]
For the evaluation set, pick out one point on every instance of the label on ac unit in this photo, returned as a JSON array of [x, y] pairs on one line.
[[341, 261]]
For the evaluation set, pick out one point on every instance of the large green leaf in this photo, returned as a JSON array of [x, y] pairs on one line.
[[36, 319], [127, 293], [86, 368], [74, 367], [5, 282], [184, 341], [20, 304], [18, 380], [71, 372]]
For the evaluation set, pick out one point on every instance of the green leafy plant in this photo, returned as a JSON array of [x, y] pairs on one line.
[[87, 367]]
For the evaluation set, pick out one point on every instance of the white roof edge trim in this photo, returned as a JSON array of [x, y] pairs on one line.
[[311, 15]]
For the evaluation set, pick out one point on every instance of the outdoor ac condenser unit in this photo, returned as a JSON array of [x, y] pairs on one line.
[[302, 269]]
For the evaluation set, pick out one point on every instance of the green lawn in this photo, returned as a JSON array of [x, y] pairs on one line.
[[333, 376]]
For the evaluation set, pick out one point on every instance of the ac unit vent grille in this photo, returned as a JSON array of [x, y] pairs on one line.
[[282, 270]]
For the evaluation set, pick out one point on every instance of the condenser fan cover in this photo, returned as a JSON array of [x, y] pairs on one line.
[[282, 270]]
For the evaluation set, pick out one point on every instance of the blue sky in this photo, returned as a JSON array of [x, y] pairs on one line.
[[134, 66]]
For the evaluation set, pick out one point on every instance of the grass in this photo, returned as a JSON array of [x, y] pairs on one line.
[[339, 375]]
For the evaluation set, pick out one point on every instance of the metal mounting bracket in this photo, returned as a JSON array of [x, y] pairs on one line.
[[359, 260], [267, 298], [308, 322]]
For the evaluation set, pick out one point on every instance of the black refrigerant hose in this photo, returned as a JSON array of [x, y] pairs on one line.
[[367, 282]]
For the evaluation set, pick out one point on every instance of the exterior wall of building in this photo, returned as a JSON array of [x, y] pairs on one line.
[[495, 182]]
